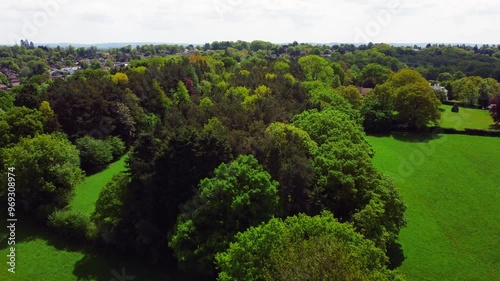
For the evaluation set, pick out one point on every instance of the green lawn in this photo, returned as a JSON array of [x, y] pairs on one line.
[[465, 118], [41, 256], [87, 193], [451, 186]]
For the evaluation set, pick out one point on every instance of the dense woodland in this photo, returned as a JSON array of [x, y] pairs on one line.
[[247, 161]]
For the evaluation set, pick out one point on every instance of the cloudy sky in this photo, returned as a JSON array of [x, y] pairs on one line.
[[279, 21]]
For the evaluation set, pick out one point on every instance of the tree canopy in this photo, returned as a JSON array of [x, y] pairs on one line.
[[303, 248]]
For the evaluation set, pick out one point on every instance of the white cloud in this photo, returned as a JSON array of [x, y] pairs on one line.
[[200, 21]]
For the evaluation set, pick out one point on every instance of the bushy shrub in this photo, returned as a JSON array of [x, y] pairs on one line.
[[110, 207], [94, 154], [117, 146], [70, 224]]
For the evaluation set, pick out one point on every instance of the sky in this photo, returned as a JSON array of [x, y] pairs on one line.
[[277, 21]]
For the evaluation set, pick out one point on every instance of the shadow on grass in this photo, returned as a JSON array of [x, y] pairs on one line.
[[495, 127], [410, 136], [97, 264], [105, 267], [396, 255]]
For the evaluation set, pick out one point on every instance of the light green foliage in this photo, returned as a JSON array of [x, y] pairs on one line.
[[352, 95], [240, 195], [467, 89], [6, 100], [316, 68], [222, 86], [244, 73], [47, 169], [322, 97], [239, 92], [214, 128], [117, 146], [205, 87], [330, 125], [289, 77], [140, 69], [181, 95], [405, 77], [474, 90], [3, 79], [339, 73], [303, 248], [120, 78], [270, 76], [206, 103], [20, 122], [164, 100], [51, 124], [281, 67], [250, 102]]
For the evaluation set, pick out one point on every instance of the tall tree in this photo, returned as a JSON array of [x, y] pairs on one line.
[[240, 195], [303, 248], [47, 170], [495, 109]]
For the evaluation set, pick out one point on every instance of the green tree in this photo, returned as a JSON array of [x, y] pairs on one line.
[[373, 74], [316, 68], [181, 95], [331, 125], [47, 169], [467, 89], [377, 115], [240, 195], [29, 95], [110, 207], [95, 154], [6, 100], [51, 124], [20, 122], [417, 105], [352, 95], [405, 77], [286, 152], [303, 248]]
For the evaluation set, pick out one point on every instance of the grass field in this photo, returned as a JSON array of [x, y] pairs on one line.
[[451, 186], [465, 118], [43, 256], [87, 193]]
